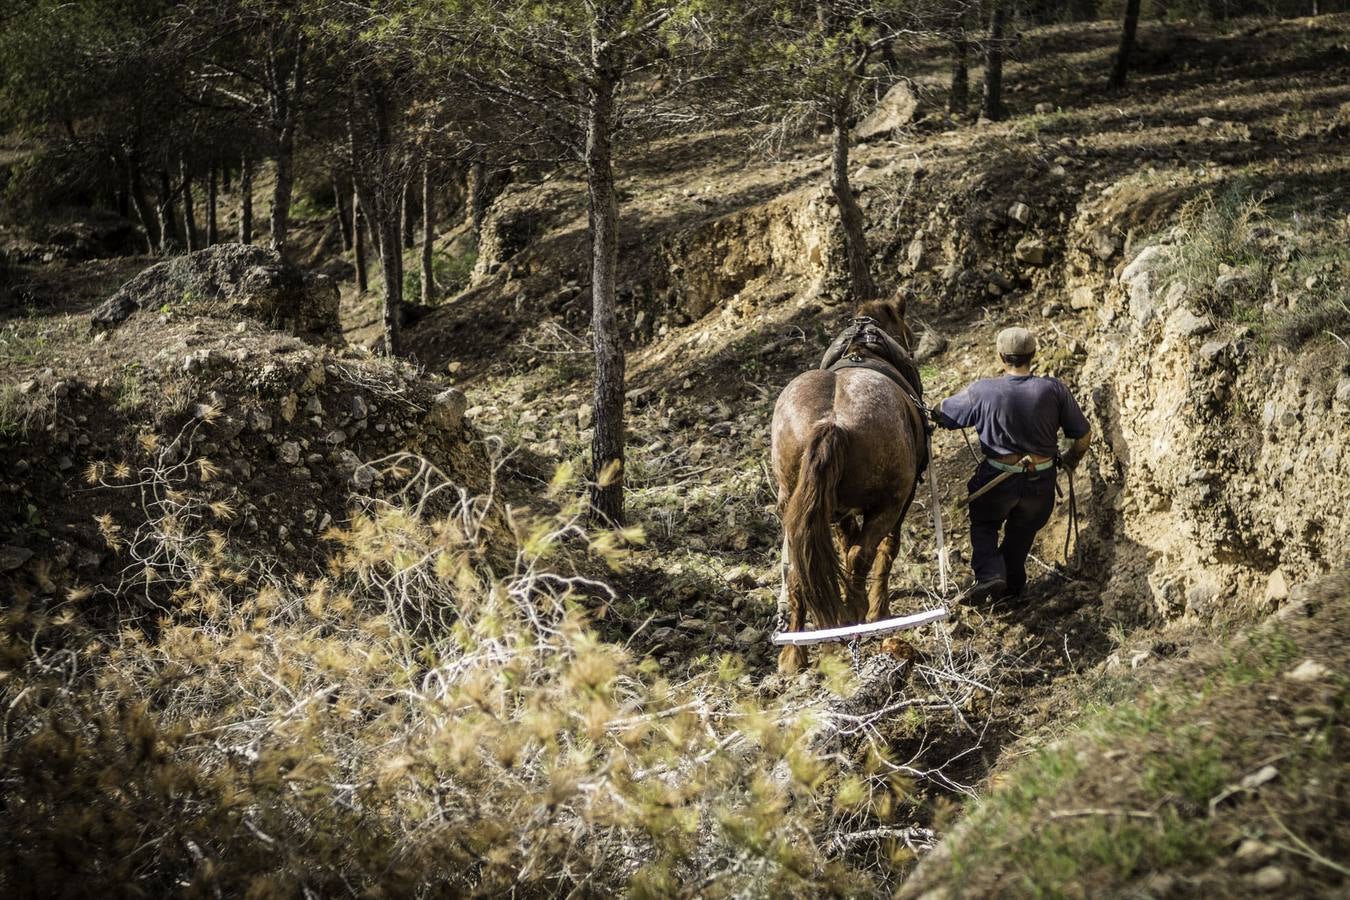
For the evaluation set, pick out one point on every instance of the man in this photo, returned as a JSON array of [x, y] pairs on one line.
[[1018, 418]]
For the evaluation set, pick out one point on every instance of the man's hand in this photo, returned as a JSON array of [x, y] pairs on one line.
[[1072, 454]]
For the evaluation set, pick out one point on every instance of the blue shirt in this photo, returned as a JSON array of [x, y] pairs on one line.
[[1016, 414]]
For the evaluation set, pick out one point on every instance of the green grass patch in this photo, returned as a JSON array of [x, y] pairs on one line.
[[13, 412], [22, 347], [1217, 234], [1295, 258], [450, 273], [1126, 791]]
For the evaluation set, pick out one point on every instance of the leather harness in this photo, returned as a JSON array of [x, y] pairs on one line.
[[858, 361], [864, 334]]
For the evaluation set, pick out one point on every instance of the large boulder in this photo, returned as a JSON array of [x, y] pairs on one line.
[[231, 281], [899, 107]]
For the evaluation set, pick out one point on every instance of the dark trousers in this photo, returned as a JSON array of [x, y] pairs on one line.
[[1020, 507]]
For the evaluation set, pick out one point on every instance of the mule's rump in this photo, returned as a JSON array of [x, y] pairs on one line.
[[880, 427]]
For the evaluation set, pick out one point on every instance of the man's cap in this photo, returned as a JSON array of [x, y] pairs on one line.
[[1016, 342]]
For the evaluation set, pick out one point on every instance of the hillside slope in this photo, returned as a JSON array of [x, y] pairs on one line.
[[290, 619]]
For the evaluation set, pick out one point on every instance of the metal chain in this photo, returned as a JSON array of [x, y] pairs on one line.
[[854, 649]]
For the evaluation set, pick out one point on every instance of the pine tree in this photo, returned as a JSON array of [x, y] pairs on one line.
[[548, 76]]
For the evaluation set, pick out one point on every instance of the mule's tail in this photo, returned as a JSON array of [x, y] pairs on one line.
[[812, 552]]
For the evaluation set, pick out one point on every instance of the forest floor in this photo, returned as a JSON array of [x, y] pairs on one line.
[[1251, 103]]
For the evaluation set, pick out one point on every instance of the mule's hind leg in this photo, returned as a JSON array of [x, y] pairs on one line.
[[879, 586], [792, 615], [879, 591], [877, 524]]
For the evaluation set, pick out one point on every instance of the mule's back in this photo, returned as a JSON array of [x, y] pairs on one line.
[[879, 425]]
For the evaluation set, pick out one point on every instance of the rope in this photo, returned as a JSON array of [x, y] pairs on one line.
[[1071, 533], [973, 455], [935, 502]]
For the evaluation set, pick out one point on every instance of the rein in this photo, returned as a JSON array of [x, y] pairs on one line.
[[1071, 533], [935, 502]]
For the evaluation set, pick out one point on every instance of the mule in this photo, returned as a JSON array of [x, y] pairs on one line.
[[848, 447]]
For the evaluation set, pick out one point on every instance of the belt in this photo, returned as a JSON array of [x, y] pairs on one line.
[[1018, 469]]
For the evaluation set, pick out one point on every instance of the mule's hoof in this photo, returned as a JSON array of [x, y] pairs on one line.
[[791, 660]]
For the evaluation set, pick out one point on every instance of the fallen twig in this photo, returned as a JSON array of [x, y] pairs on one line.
[[1101, 811]]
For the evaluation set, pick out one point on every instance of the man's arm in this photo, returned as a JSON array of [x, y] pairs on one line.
[[1076, 429], [956, 411], [1075, 451]]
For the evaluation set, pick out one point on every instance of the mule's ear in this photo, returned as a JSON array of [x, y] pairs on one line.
[[898, 303]]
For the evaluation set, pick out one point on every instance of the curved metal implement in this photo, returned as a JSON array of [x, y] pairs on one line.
[[867, 629]]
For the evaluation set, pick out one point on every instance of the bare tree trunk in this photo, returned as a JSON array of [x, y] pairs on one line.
[[477, 191], [993, 63], [246, 199], [455, 194], [958, 98], [212, 232], [285, 76], [888, 58], [139, 200], [409, 225], [168, 222], [428, 235], [359, 243], [189, 213], [391, 260], [341, 211], [607, 443], [380, 198], [850, 215], [1122, 67], [279, 220], [225, 176]]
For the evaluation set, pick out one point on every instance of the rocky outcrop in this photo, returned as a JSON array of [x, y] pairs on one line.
[[899, 107], [791, 241], [230, 281], [1223, 473], [294, 436]]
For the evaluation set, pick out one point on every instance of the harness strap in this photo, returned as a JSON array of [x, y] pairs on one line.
[[857, 361], [935, 502], [1071, 533]]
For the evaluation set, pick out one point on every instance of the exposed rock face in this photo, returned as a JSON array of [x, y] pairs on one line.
[[229, 281], [899, 107], [791, 239], [1222, 461], [516, 219], [931, 344]]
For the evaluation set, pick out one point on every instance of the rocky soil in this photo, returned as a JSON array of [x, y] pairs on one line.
[[272, 437]]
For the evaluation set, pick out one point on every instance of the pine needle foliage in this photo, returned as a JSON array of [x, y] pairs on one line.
[[419, 721]]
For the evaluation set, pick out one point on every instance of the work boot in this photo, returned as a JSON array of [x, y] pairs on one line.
[[986, 590]]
